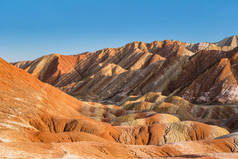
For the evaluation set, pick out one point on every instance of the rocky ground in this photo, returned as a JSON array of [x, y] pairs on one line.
[[164, 99]]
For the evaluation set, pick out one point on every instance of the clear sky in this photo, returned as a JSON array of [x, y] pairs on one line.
[[33, 28]]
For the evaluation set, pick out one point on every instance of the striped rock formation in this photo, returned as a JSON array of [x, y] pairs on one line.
[[170, 67], [226, 44], [189, 81], [37, 120]]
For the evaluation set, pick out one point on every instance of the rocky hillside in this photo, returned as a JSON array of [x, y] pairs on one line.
[[203, 73], [230, 42], [38, 120]]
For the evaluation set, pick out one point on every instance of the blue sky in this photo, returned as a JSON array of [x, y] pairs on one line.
[[33, 28]]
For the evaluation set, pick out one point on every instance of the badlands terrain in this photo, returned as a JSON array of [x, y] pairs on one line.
[[165, 99]]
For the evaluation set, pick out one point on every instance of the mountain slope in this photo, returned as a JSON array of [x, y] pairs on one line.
[[41, 113], [170, 67], [230, 41], [33, 112]]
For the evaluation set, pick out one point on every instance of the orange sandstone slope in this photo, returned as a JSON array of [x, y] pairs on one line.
[[38, 120], [45, 109], [170, 67]]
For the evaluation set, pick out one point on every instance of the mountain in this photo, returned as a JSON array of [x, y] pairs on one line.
[[170, 67], [226, 44], [38, 120], [230, 41]]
